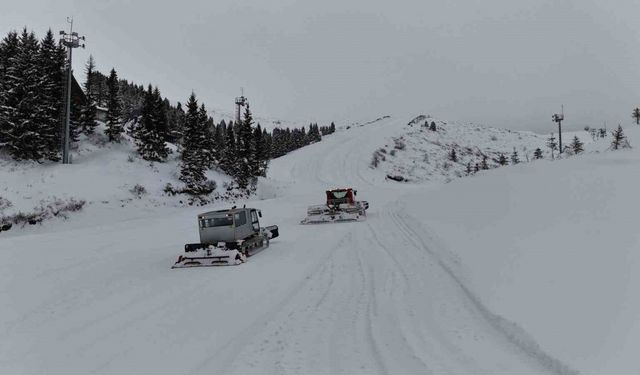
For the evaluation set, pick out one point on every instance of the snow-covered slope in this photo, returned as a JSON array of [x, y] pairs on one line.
[[421, 150], [493, 274], [102, 174]]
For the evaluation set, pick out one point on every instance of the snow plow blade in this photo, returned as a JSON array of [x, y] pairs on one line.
[[341, 206], [323, 214], [273, 230], [202, 255]]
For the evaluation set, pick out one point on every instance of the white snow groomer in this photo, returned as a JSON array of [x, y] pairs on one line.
[[341, 206], [227, 237]]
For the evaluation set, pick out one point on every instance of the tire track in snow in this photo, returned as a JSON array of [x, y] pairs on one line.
[[513, 333], [230, 351], [400, 296], [369, 297]]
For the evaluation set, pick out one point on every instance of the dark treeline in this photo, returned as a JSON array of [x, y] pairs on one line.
[[32, 94]]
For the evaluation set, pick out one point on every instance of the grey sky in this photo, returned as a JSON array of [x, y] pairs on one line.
[[498, 62]]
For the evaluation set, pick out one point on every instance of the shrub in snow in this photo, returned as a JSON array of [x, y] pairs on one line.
[[169, 189], [210, 186], [57, 208], [494, 138], [374, 161], [453, 156], [395, 177], [130, 159], [537, 154], [602, 132], [502, 160], [138, 190], [392, 152], [377, 157], [399, 144], [5, 203]]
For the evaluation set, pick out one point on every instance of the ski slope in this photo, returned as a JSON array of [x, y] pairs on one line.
[[391, 295]]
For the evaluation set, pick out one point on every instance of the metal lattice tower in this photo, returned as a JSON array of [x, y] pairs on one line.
[[241, 101], [70, 40], [559, 118]]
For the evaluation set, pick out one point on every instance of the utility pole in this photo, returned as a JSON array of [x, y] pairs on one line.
[[70, 40], [558, 118]]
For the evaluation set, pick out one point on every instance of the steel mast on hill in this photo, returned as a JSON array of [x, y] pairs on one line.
[[71, 41], [241, 101], [558, 118]]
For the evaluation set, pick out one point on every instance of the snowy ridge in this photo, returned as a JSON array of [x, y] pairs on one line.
[[418, 154]]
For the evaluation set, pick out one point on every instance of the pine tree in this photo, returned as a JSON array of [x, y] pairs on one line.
[[483, 163], [245, 150], [468, 168], [228, 161], [207, 146], [502, 160], [51, 61], [261, 158], [552, 144], [332, 128], [149, 137], [515, 159], [432, 127], [268, 142], [20, 104], [160, 115], [452, 155], [577, 146], [193, 166], [88, 112], [636, 115], [218, 141], [537, 154], [314, 134], [476, 168], [115, 127], [176, 124], [619, 139], [8, 55]]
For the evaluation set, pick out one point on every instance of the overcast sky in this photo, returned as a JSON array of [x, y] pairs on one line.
[[497, 62]]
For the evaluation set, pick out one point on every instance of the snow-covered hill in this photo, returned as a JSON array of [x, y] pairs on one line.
[[526, 269], [421, 150]]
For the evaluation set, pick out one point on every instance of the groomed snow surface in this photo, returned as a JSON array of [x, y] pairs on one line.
[[527, 269]]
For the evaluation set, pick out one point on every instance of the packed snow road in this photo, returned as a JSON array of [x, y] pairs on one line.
[[377, 297]]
